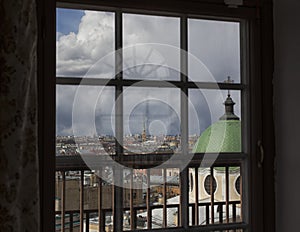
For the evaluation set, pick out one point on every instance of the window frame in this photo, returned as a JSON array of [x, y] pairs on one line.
[[259, 53]]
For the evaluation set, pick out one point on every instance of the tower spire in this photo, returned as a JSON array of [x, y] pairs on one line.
[[229, 105], [144, 135]]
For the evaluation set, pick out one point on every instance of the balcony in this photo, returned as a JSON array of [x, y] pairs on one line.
[[84, 201]]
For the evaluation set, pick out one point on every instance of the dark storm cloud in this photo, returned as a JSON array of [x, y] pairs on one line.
[[216, 44], [151, 110]]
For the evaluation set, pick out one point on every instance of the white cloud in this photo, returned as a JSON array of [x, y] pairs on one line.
[[58, 35], [79, 53], [76, 53]]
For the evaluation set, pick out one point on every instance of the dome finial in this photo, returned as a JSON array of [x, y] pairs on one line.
[[229, 81], [229, 105]]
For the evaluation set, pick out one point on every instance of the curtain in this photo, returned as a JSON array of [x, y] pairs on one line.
[[19, 189]]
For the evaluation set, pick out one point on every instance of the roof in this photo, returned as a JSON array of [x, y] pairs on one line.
[[171, 180], [222, 136]]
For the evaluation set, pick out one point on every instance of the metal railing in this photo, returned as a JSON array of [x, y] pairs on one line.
[[201, 214]]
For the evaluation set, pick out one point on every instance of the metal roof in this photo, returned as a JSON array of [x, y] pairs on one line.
[[222, 136]]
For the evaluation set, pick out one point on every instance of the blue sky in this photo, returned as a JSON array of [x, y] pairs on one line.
[[87, 50], [67, 20]]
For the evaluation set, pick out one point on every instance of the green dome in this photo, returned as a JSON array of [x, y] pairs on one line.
[[222, 136]]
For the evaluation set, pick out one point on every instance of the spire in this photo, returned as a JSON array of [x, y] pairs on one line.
[[144, 135], [229, 106]]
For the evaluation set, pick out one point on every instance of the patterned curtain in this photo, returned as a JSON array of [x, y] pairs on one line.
[[19, 189]]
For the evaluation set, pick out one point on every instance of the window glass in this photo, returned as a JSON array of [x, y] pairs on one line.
[[216, 45], [151, 47], [151, 120], [84, 43], [207, 185], [210, 122], [84, 121]]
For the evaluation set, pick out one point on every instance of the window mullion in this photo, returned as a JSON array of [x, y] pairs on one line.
[[184, 209], [118, 173]]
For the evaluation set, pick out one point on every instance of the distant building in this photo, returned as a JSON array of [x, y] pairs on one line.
[[91, 193]]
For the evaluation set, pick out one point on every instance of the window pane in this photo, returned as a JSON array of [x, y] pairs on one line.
[[151, 120], [84, 120], [216, 45], [212, 128], [151, 47], [84, 43]]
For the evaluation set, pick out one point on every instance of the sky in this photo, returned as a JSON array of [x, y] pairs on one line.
[[67, 21], [85, 48]]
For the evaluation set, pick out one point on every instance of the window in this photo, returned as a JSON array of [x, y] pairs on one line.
[[210, 184], [169, 82], [238, 185]]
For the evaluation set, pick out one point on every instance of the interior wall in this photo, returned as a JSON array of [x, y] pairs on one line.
[[287, 113]]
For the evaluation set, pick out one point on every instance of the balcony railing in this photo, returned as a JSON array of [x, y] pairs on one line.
[[208, 214]]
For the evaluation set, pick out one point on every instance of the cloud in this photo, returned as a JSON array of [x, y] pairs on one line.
[[158, 31], [85, 53], [216, 44], [88, 105], [151, 105], [77, 52], [58, 35]]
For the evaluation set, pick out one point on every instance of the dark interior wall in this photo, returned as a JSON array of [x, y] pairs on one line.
[[287, 113]]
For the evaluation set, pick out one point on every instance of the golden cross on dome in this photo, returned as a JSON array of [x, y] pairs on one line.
[[228, 81]]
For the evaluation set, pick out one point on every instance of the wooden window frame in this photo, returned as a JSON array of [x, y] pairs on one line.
[[260, 54]]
